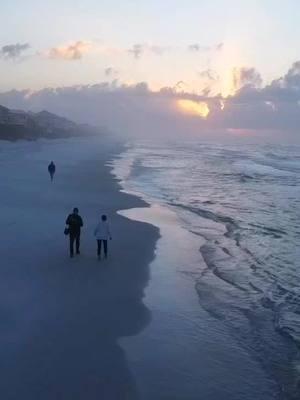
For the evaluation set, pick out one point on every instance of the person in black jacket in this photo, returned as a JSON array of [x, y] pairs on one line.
[[51, 170], [74, 221]]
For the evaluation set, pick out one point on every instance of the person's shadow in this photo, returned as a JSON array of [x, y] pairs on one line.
[[69, 349]]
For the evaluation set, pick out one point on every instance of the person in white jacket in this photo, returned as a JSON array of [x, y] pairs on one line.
[[102, 234]]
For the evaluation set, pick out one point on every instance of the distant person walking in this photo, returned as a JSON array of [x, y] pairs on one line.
[[74, 221], [102, 234], [51, 170]]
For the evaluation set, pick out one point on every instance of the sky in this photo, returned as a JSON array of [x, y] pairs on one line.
[[199, 52]]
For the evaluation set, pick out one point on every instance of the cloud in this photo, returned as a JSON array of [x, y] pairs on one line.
[[158, 50], [209, 79], [72, 51], [111, 72], [246, 77], [198, 48], [13, 51], [138, 50], [180, 86], [209, 74], [130, 109], [273, 108], [290, 80]]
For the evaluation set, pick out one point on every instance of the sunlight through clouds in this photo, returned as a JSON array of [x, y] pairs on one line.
[[197, 108]]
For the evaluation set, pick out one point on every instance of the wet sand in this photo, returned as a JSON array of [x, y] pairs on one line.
[[185, 353]]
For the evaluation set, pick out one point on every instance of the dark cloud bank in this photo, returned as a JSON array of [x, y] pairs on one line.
[[271, 112]]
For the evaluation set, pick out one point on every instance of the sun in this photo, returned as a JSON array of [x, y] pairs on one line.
[[191, 107]]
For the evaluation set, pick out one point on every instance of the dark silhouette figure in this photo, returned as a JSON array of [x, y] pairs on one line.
[[74, 221], [102, 234], [51, 170]]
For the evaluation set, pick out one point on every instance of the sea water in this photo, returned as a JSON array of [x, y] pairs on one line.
[[242, 202]]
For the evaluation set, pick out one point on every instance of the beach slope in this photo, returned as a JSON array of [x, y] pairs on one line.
[[61, 318]]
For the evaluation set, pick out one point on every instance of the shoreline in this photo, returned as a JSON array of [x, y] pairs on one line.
[[178, 308], [185, 351], [66, 316]]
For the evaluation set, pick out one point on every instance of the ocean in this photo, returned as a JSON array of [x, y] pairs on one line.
[[243, 204]]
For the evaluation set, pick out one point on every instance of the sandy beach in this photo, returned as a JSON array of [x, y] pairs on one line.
[[61, 317]]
